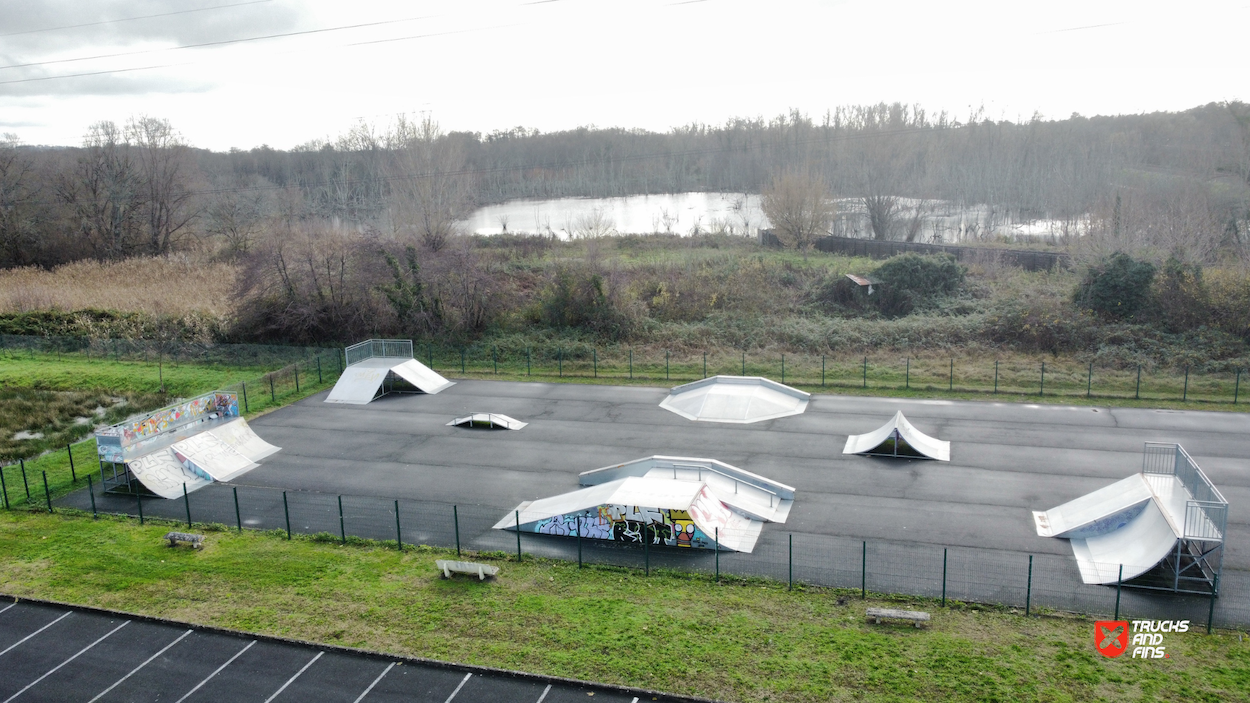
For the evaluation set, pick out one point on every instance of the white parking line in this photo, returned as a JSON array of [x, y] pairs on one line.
[[544, 695], [361, 697], [15, 644], [199, 685], [462, 683], [10, 605], [137, 668], [292, 679], [54, 669]]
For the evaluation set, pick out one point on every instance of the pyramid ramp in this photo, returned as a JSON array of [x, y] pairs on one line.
[[735, 399], [898, 438]]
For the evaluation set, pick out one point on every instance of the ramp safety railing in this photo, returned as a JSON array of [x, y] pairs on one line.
[[384, 348]]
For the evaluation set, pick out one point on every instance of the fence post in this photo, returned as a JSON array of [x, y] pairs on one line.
[[4, 489], [744, 362], [951, 384], [186, 502], [273, 397], [25, 484], [1028, 594], [69, 449], [907, 377], [319, 380], [46, 493], [791, 586], [1237, 386], [461, 361], [1137, 393], [666, 364], [631, 363], [1215, 587], [140, 502], [594, 355], [399, 535], [705, 364], [1089, 379], [717, 538], [429, 353], [1119, 581], [783, 368], [560, 360], [238, 517], [863, 573], [455, 518], [527, 361], [245, 397], [286, 510], [579, 541], [1185, 393], [90, 492], [342, 523], [297, 377], [822, 371], [865, 372], [996, 377], [518, 534], [494, 359], [646, 549], [944, 577]]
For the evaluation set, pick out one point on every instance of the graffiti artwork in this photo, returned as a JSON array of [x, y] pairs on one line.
[[635, 524], [166, 419]]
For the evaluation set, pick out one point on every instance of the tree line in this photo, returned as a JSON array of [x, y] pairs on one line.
[[1152, 184]]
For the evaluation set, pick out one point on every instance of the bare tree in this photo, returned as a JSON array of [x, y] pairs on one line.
[[105, 193], [799, 207], [164, 163], [18, 214], [237, 214], [429, 186]]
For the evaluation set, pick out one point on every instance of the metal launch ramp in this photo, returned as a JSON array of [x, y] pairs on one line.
[[373, 368], [1164, 526], [898, 438]]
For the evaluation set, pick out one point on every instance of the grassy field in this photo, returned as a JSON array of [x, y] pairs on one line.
[[739, 640], [47, 393]]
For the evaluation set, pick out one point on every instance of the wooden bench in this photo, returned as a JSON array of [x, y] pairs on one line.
[[915, 616], [196, 541], [481, 571]]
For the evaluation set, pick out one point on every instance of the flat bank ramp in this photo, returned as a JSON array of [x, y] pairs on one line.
[[1108, 508]]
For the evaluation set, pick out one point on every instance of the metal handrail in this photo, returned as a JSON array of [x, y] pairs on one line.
[[700, 468]]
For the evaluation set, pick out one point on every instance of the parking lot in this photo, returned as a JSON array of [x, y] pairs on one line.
[[64, 654]]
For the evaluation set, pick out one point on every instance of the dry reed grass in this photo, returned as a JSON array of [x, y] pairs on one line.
[[175, 285]]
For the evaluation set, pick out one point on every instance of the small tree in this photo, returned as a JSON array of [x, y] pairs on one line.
[[799, 207], [1116, 288]]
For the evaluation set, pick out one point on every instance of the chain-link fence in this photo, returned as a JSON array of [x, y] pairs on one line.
[[967, 574], [24, 481]]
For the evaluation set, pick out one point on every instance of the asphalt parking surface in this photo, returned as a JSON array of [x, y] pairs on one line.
[[65, 654]]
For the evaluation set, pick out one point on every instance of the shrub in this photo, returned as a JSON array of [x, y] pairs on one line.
[[911, 281], [583, 298], [1116, 288], [1182, 302]]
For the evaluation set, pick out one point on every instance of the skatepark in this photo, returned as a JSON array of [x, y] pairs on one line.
[[889, 524]]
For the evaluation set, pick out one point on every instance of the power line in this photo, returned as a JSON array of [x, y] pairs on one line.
[[222, 42], [132, 19]]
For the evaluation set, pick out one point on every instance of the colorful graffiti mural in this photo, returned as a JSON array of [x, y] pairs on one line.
[[118, 442], [635, 524]]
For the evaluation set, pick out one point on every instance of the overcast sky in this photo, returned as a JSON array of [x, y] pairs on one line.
[[216, 69]]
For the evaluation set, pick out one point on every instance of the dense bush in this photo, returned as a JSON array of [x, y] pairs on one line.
[[584, 298], [912, 281], [1118, 288]]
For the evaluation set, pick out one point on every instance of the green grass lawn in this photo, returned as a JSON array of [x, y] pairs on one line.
[[742, 640]]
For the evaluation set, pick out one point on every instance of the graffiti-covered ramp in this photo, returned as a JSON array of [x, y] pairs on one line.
[[753, 495], [898, 438], [737, 399], [657, 511]]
